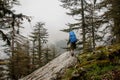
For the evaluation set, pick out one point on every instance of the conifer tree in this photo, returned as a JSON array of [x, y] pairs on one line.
[[46, 55], [39, 36], [11, 21], [76, 8], [2, 73], [112, 16], [54, 51], [19, 64], [8, 18], [88, 22]]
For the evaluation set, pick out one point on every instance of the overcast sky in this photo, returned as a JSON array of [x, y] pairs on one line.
[[48, 11]]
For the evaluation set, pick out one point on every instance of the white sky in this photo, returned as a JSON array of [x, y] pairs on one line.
[[48, 11]]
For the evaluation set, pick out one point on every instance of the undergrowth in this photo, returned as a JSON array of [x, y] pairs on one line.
[[103, 64]]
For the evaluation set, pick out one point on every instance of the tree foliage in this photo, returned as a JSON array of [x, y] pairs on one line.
[[8, 18], [19, 64], [11, 21], [96, 20], [112, 15], [88, 21], [39, 37], [2, 74]]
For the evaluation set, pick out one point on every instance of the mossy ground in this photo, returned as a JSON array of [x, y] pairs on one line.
[[102, 64]]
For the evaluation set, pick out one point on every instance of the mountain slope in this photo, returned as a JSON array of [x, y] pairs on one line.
[[54, 69], [102, 64]]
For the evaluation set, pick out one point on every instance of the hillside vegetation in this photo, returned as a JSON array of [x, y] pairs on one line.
[[102, 64]]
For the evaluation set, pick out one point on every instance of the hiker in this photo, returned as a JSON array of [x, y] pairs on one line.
[[72, 41]]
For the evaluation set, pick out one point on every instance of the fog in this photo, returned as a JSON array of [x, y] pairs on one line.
[[48, 11]]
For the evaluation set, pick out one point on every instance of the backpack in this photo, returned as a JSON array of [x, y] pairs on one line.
[[72, 37]]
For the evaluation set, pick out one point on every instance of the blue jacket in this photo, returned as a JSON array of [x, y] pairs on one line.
[[72, 37]]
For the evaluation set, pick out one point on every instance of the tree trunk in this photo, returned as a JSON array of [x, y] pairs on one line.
[[93, 30], [83, 25]]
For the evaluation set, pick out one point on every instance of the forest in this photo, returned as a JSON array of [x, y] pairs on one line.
[[97, 24]]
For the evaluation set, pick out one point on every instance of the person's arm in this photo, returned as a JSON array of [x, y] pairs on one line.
[[68, 42]]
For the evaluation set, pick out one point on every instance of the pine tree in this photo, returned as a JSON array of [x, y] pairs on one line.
[[19, 64], [112, 15], [88, 22], [2, 73], [46, 55], [8, 18], [76, 8], [54, 51], [39, 36], [11, 21], [33, 53]]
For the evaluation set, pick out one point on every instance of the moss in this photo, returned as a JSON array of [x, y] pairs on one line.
[[97, 65], [68, 74]]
